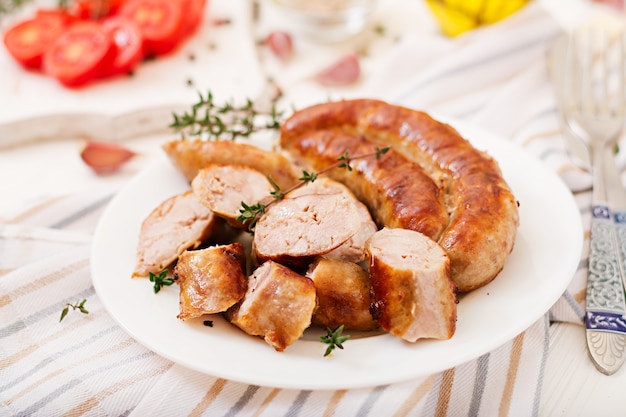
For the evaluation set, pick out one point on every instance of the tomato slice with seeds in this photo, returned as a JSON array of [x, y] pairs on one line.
[[80, 54], [128, 42], [160, 23], [27, 40]]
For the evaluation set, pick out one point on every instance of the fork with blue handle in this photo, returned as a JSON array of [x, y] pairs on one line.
[[594, 110]]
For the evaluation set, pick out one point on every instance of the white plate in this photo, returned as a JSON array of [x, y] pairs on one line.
[[545, 257]]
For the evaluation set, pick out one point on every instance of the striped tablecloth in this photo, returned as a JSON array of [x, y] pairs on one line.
[[87, 365]]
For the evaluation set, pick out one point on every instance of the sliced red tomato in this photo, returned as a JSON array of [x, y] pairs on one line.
[[159, 21], [128, 42], [192, 16], [56, 13], [81, 54], [27, 40], [94, 9]]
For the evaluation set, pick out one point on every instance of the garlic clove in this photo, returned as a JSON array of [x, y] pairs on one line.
[[105, 157], [280, 44], [344, 71]]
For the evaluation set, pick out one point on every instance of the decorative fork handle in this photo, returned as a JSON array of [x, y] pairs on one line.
[[616, 197], [619, 220], [605, 318]]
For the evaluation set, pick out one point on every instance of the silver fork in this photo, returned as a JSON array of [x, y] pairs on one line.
[[595, 111]]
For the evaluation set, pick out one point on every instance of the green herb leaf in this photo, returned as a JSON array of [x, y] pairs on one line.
[[334, 339], [212, 121], [160, 280], [308, 176], [64, 313], [344, 161], [76, 306], [82, 308], [250, 214], [277, 193], [380, 151]]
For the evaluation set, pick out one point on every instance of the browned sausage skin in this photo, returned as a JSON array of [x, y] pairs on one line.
[[278, 305], [211, 280], [413, 296], [343, 294], [396, 190], [189, 156], [483, 211]]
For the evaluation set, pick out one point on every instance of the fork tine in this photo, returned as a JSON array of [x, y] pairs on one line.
[[604, 46], [581, 71], [614, 59], [572, 81]]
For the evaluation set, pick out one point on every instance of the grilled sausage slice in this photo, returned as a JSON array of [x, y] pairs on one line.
[[179, 223], [211, 280], [413, 296], [353, 249], [483, 210], [343, 295], [278, 305], [189, 156], [222, 188], [305, 224]]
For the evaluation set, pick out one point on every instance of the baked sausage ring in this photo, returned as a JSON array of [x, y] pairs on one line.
[[482, 213]]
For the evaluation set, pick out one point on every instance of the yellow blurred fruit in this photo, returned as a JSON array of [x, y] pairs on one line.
[[452, 22], [495, 11], [458, 16], [469, 7]]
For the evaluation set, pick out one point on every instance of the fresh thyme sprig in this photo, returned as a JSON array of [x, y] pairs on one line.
[[334, 339], [250, 214], [76, 306], [160, 280], [212, 121]]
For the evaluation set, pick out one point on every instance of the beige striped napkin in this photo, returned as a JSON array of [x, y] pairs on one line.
[[87, 365]]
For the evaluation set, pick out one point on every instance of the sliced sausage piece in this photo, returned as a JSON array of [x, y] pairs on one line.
[[179, 223], [189, 156], [396, 190], [303, 225], [483, 210], [278, 305], [413, 296], [222, 188], [343, 295], [211, 280], [353, 249]]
